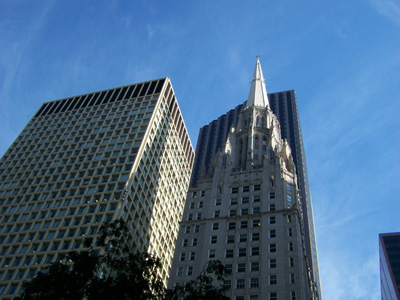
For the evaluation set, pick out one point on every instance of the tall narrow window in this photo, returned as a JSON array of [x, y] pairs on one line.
[[255, 151], [264, 146]]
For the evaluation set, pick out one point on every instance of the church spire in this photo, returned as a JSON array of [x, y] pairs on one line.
[[258, 92]]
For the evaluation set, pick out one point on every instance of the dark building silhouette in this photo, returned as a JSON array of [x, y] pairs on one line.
[[389, 253]]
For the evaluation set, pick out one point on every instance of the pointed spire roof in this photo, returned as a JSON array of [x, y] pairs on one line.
[[258, 93]]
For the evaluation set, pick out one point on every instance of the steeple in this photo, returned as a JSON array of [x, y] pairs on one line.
[[258, 92]]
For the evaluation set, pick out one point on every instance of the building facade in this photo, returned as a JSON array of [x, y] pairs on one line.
[[212, 138], [389, 254], [85, 160], [244, 208]]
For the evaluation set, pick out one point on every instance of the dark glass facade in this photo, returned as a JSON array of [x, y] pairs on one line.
[[389, 250]]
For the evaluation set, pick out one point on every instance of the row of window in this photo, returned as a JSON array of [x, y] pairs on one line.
[[246, 188], [32, 236], [235, 225], [241, 238], [229, 253]]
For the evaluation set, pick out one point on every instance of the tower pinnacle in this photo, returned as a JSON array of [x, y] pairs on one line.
[[258, 92]]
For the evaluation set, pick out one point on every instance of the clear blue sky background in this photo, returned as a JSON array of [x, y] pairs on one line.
[[341, 57]]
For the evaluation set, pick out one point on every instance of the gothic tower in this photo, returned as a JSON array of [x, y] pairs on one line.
[[247, 212]]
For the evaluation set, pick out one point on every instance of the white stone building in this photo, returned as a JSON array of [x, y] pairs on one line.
[[247, 213]]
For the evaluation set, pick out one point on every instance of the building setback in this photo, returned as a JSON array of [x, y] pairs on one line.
[[244, 208], [213, 136], [85, 160], [389, 253]]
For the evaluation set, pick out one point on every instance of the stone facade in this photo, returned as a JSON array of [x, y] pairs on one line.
[[247, 213]]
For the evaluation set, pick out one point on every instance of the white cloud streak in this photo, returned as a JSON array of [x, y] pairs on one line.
[[388, 8]]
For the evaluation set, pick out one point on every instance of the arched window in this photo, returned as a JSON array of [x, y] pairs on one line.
[[255, 150], [264, 146], [240, 152]]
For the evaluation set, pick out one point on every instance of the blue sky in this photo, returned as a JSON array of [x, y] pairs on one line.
[[341, 57]]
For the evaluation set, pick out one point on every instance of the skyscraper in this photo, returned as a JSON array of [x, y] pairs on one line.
[[245, 203], [284, 105], [389, 254], [85, 160]]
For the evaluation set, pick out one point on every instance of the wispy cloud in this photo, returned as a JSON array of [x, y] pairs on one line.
[[388, 8], [351, 278]]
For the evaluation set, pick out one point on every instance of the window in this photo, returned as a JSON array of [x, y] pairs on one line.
[[240, 284], [291, 262], [194, 194], [192, 256], [290, 232], [231, 225], [215, 226], [192, 205], [201, 203], [190, 217], [217, 202], [245, 200], [272, 220], [228, 268], [233, 201], [242, 252], [273, 296], [214, 239], [246, 188], [291, 278], [272, 263], [202, 193], [289, 219], [256, 210], [194, 242], [272, 248], [243, 224], [232, 212], [292, 295], [235, 190], [255, 251], [245, 211], [254, 283], [179, 271], [241, 267], [228, 253], [227, 284], [243, 238], [230, 239], [217, 213], [272, 207], [272, 233], [256, 223], [187, 229], [256, 198], [290, 246], [255, 266], [255, 236], [190, 271], [272, 195], [197, 228], [257, 187], [198, 216], [273, 279], [183, 256]]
